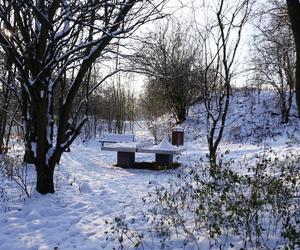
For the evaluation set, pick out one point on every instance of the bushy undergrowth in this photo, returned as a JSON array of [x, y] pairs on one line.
[[255, 207], [123, 234]]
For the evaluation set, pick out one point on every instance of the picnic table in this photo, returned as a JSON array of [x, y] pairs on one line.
[[164, 152]]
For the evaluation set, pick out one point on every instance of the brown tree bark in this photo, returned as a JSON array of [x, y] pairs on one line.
[[294, 14]]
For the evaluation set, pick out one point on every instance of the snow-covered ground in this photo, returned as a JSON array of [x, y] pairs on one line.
[[91, 192]]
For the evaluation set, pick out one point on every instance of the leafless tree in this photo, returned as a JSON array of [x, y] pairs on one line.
[[9, 102], [274, 55], [54, 43], [169, 58], [119, 102], [152, 106], [221, 41]]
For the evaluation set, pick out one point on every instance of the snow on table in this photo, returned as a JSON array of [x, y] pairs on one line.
[[165, 147]]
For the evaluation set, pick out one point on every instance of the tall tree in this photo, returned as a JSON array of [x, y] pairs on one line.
[[274, 56], [294, 14], [221, 40], [169, 58], [51, 42]]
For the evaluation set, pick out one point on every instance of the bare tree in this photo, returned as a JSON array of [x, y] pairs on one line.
[[152, 106], [119, 103], [52, 43], [274, 55], [293, 11], [221, 41], [169, 58], [9, 102]]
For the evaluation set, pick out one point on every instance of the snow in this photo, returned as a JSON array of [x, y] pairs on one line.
[[49, 131], [31, 83], [178, 129], [85, 188], [91, 192], [33, 148], [94, 192], [49, 154], [164, 145]]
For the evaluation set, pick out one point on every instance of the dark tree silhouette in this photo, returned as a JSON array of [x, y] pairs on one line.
[[294, 14], [49, 42]]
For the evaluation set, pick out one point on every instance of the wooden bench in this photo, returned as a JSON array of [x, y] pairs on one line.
[[115, 138], [126, 154]]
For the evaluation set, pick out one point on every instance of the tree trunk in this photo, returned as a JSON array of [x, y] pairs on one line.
[[39, 71], [45, 181], [181, 115], [294, 14], [285, 118], [213, 162], [43, 162], [28, 156]]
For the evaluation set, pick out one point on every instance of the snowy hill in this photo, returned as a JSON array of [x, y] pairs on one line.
[[252, 118]]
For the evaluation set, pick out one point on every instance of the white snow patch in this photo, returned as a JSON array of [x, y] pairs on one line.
[[31, 83], [49, 154], [164, 145], [33, 148]]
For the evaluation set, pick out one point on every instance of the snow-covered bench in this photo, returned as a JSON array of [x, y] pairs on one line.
[[115, 138], [164, 153]]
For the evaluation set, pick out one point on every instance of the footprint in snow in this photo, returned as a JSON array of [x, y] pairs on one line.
[[52, 211], [85, 188], [79, 206], [103, 192]]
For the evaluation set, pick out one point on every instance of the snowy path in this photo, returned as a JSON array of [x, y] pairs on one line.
[[74, 217]]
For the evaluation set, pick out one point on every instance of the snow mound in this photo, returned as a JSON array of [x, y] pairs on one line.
[[164, 145]]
